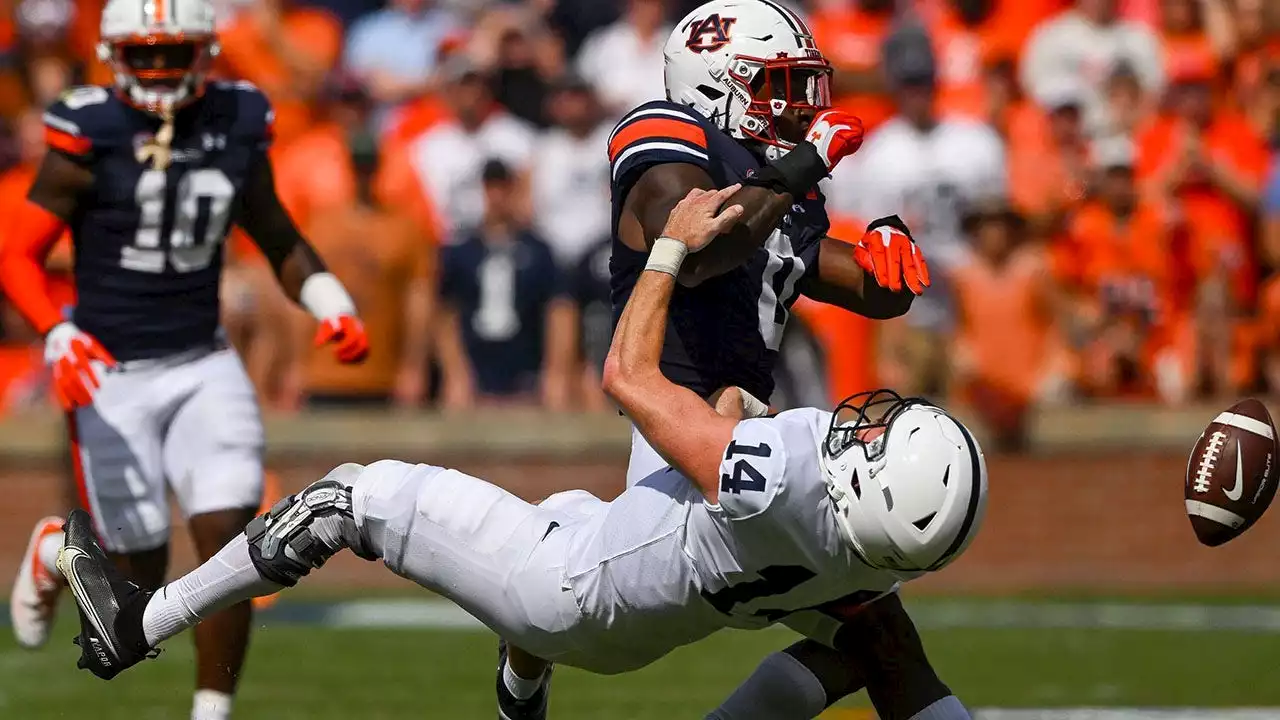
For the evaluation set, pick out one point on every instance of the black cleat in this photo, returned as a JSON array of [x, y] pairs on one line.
[[511, 707], [111, 607]]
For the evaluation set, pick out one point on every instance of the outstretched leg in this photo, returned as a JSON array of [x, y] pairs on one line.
[[495, 555]]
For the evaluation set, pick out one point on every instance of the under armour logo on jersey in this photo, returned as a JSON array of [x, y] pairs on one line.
[[710, 34]]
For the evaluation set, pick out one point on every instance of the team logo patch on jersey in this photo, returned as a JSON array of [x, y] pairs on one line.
[[710, 34]]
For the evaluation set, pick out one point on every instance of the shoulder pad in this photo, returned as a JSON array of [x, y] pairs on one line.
[[84, 119], [655, 133], [254, 118], [753, 470]]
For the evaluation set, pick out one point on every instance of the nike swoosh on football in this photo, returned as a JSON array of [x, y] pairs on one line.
[[1234, 493], [78, 590]]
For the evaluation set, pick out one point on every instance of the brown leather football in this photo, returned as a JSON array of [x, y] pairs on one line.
[[1231, 474]]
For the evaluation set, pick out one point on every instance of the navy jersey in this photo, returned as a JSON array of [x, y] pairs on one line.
[[727, 330], [148, 242], [501, 292], [591, 294]]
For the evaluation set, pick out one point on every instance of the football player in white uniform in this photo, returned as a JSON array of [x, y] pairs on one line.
[[755, 522]]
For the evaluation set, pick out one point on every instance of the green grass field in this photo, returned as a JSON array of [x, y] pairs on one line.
[[316, 673]]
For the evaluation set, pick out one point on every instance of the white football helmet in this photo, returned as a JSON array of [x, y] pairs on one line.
[[910, 486], [744, 64], [160, 50]]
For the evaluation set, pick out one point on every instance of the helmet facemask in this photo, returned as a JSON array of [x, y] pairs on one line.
[[159, 73], [907, 482], [782, 96]]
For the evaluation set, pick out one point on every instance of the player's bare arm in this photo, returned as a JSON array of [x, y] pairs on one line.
[[662, 187], [764, 198], [679, 424], [263, 217], [302, 274]]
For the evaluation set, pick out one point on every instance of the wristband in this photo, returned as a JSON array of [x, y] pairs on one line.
[[752, 406], [324, 297], [666, 256], [796, 173]]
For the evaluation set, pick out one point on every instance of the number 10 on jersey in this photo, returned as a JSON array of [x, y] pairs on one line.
[[203, 191]]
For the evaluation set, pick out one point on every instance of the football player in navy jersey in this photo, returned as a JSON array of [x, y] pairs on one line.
[[148, 175], [748, 101]]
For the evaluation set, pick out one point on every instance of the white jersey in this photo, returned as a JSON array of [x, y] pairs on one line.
[[659, 567]]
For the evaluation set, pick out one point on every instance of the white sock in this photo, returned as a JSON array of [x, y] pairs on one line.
[[948, 708], [47, 552], [211, 705], [226, 579], [522, 688], [781, 688]]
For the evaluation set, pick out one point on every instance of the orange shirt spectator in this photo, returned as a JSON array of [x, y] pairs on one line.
[[1126, 276], [1048, 157], [1005, 339], [966, 42], [1209, 169], [1189, 48], [850, 34], [286, 51], [314, 171], [389, 268]]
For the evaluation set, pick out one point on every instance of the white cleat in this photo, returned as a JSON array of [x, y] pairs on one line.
[[35, 591]]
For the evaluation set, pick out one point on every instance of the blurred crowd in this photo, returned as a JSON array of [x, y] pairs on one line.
[[1095, 183]]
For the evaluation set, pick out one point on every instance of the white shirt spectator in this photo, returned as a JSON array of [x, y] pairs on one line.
[[1071, 48], [927, 178], [624, 69], [448, 161], [571, 209]]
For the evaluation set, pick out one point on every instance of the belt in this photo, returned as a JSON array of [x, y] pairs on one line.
[[179, 358]]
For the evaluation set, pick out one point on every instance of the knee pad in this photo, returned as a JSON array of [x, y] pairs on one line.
[[302, 531]]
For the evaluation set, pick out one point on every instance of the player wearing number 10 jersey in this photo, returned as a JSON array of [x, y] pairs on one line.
[[149, 175]]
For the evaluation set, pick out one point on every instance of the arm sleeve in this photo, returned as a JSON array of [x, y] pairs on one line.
[[33, 231], [652, 134], [753, 470]]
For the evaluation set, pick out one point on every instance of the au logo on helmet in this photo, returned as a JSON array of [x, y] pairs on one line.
[[709, 34]]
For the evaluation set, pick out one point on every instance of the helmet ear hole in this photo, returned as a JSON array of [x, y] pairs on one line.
[[923, 523], [712, 93]]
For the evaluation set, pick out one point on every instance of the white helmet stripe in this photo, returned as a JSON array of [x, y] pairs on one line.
[[976, 492]]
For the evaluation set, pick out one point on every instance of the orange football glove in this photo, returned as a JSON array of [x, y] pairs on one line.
[[888, 252], [70, 353], [346, 333], [836, 134]]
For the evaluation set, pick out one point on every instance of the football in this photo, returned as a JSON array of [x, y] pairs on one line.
[[1231, 474]]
